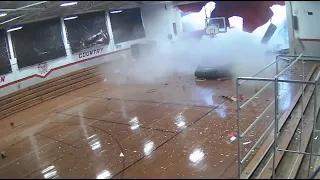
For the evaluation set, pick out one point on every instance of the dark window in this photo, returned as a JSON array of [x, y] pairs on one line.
[[5, 66], [87, 30], [127, 25], [38, 42]]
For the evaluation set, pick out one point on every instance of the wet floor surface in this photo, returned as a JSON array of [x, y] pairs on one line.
[[178, 128]]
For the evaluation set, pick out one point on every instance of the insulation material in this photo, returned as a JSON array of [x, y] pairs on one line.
[[5, 66], [127, 25], [38, 42], [87, 30]]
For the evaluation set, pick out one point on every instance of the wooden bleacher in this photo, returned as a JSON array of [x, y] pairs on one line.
[[44, 91]]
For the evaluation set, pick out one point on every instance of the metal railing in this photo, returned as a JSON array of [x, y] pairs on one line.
[[275, 103]]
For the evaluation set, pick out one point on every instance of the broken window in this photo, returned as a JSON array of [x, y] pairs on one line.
[[5, 66], [38, 42], [127, 25], [87, 30]]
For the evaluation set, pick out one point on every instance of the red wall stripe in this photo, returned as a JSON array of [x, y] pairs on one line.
[[57, 68]]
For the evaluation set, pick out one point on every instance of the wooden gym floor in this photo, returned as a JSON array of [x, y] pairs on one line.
[[175, 128]]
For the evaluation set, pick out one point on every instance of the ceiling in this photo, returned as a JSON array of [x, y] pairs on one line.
[[22, 12]]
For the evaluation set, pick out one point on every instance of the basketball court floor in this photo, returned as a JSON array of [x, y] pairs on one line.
[[175, 128]]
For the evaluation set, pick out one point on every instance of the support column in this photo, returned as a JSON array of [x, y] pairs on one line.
[[13, 60], [108, 22], [65, 38]]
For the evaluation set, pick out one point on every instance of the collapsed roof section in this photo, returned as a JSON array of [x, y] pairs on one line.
[[254, 13]]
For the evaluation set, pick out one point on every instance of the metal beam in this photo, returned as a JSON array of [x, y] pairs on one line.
[[12, 19], [28, 9], [30, 5], [37, 13]]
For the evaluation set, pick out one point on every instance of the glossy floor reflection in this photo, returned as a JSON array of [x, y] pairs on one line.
[[177, 128]]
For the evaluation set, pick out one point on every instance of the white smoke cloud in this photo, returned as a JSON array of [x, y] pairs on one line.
[[241, 51]]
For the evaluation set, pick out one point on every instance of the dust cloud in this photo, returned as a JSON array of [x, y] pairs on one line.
[[237, 50]]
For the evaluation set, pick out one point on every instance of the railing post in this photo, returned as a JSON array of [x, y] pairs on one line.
[[275, 144], [239, 129]]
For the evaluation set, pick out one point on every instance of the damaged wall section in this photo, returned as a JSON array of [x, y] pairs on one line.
[[254, 13]]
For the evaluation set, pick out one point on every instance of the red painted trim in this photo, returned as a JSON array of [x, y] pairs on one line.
[[57, 68], [310, 40]]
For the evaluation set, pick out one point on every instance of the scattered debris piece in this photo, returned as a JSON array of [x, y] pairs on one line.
[[245, 143], [105, 80], [200, 79], [108, 99], [12, 123], [151, 91], [256, 90], [121, 154], [316, 138], [3, 154], [231, 138], [166, 84], [241, 97], [230, 98], [224, 79]]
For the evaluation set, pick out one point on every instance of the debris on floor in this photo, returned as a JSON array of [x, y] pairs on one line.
[[241, 97], [166, 84], [245, 143], [224, 79], [200, 79], [3, 154], [230, 98], [121, 154], [231, 138], [254, 103], [108, 99], [151, 91], [12, 123]]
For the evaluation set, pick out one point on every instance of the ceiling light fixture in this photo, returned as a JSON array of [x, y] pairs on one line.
[[68, 4], [117, 11], [70, 18], [14, 29], [3, 14]]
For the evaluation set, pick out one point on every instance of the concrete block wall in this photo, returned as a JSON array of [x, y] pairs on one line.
[[157, 21]]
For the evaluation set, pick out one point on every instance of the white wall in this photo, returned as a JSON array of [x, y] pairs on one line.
[[306, 39], [157, 22]]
